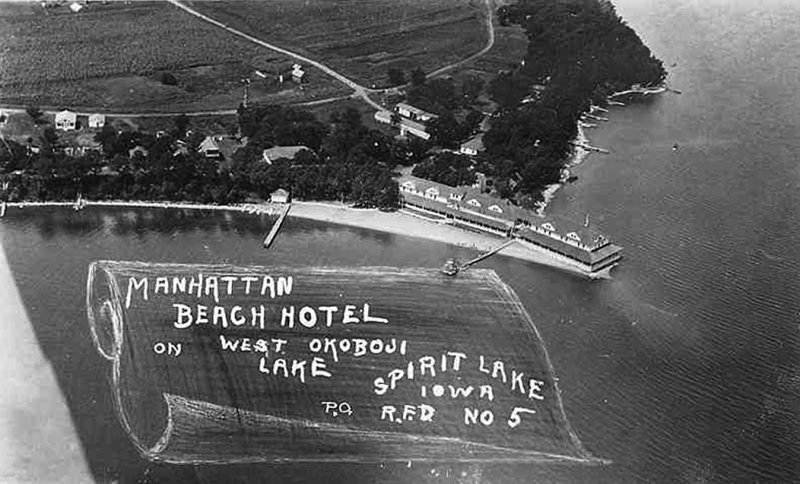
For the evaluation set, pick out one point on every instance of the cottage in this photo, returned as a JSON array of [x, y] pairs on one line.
[[181, 148], [97, 120], [473, 146], [66, 120], [414, 113], [137, 150], [279, 196], [210, 147], [383, 117], [410, 127], [270, 155], [298, 74]]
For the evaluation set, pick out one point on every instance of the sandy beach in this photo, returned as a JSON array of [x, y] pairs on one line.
[[399, 222], [404, 223]]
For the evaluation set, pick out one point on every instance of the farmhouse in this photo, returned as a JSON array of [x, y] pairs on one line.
[[279, 196], [66, 120], [270, 155], [413, 113], [97, 120]]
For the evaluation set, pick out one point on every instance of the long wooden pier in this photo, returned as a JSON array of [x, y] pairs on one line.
[[276, 226], [487, 254]]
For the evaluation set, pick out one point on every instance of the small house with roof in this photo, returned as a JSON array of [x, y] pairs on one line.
[[417, 129], [270, 155], [219, 147], [298, 74], [414, 113], [97, 120], [66, 120], [209, 147], [472, 146], [137, 150], [279, 196]]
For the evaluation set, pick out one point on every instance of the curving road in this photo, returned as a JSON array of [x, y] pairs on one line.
[[359, 91], [489, 20]]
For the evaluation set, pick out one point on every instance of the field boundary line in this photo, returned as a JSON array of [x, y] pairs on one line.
[[360, 91]]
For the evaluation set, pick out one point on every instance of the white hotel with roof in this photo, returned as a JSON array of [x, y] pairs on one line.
[[563, 239]]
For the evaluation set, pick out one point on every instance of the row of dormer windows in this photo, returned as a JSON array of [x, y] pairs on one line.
[[547, 227]]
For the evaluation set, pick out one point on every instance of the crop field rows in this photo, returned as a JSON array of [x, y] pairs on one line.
[[362, 38], [110, 55], [41, 46]]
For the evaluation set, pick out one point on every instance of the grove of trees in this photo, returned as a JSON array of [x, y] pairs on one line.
[[579, 51], [346, 161]]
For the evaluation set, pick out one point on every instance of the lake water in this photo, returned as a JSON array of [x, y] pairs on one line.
[[683, 368]]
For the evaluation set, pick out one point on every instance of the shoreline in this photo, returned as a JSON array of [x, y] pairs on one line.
[[398, 222], [578, 156], [582, 147]]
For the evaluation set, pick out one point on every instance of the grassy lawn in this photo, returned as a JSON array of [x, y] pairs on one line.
[[362, 38], [112, 56]]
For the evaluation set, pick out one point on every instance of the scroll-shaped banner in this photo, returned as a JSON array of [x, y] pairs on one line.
[[224, 364]]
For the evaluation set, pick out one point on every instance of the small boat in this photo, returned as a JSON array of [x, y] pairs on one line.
[[675, 147], [451, 267]]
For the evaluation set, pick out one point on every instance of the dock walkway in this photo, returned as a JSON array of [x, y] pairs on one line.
[[276, 226], [487, 254]]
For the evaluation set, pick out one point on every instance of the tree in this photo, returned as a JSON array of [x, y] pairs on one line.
[[168, 79], [473, 119], [396, 77], [181, 125], [35, 113], [446, 131], [471, 88], [417, 77], [448, 168], [50, 137]]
